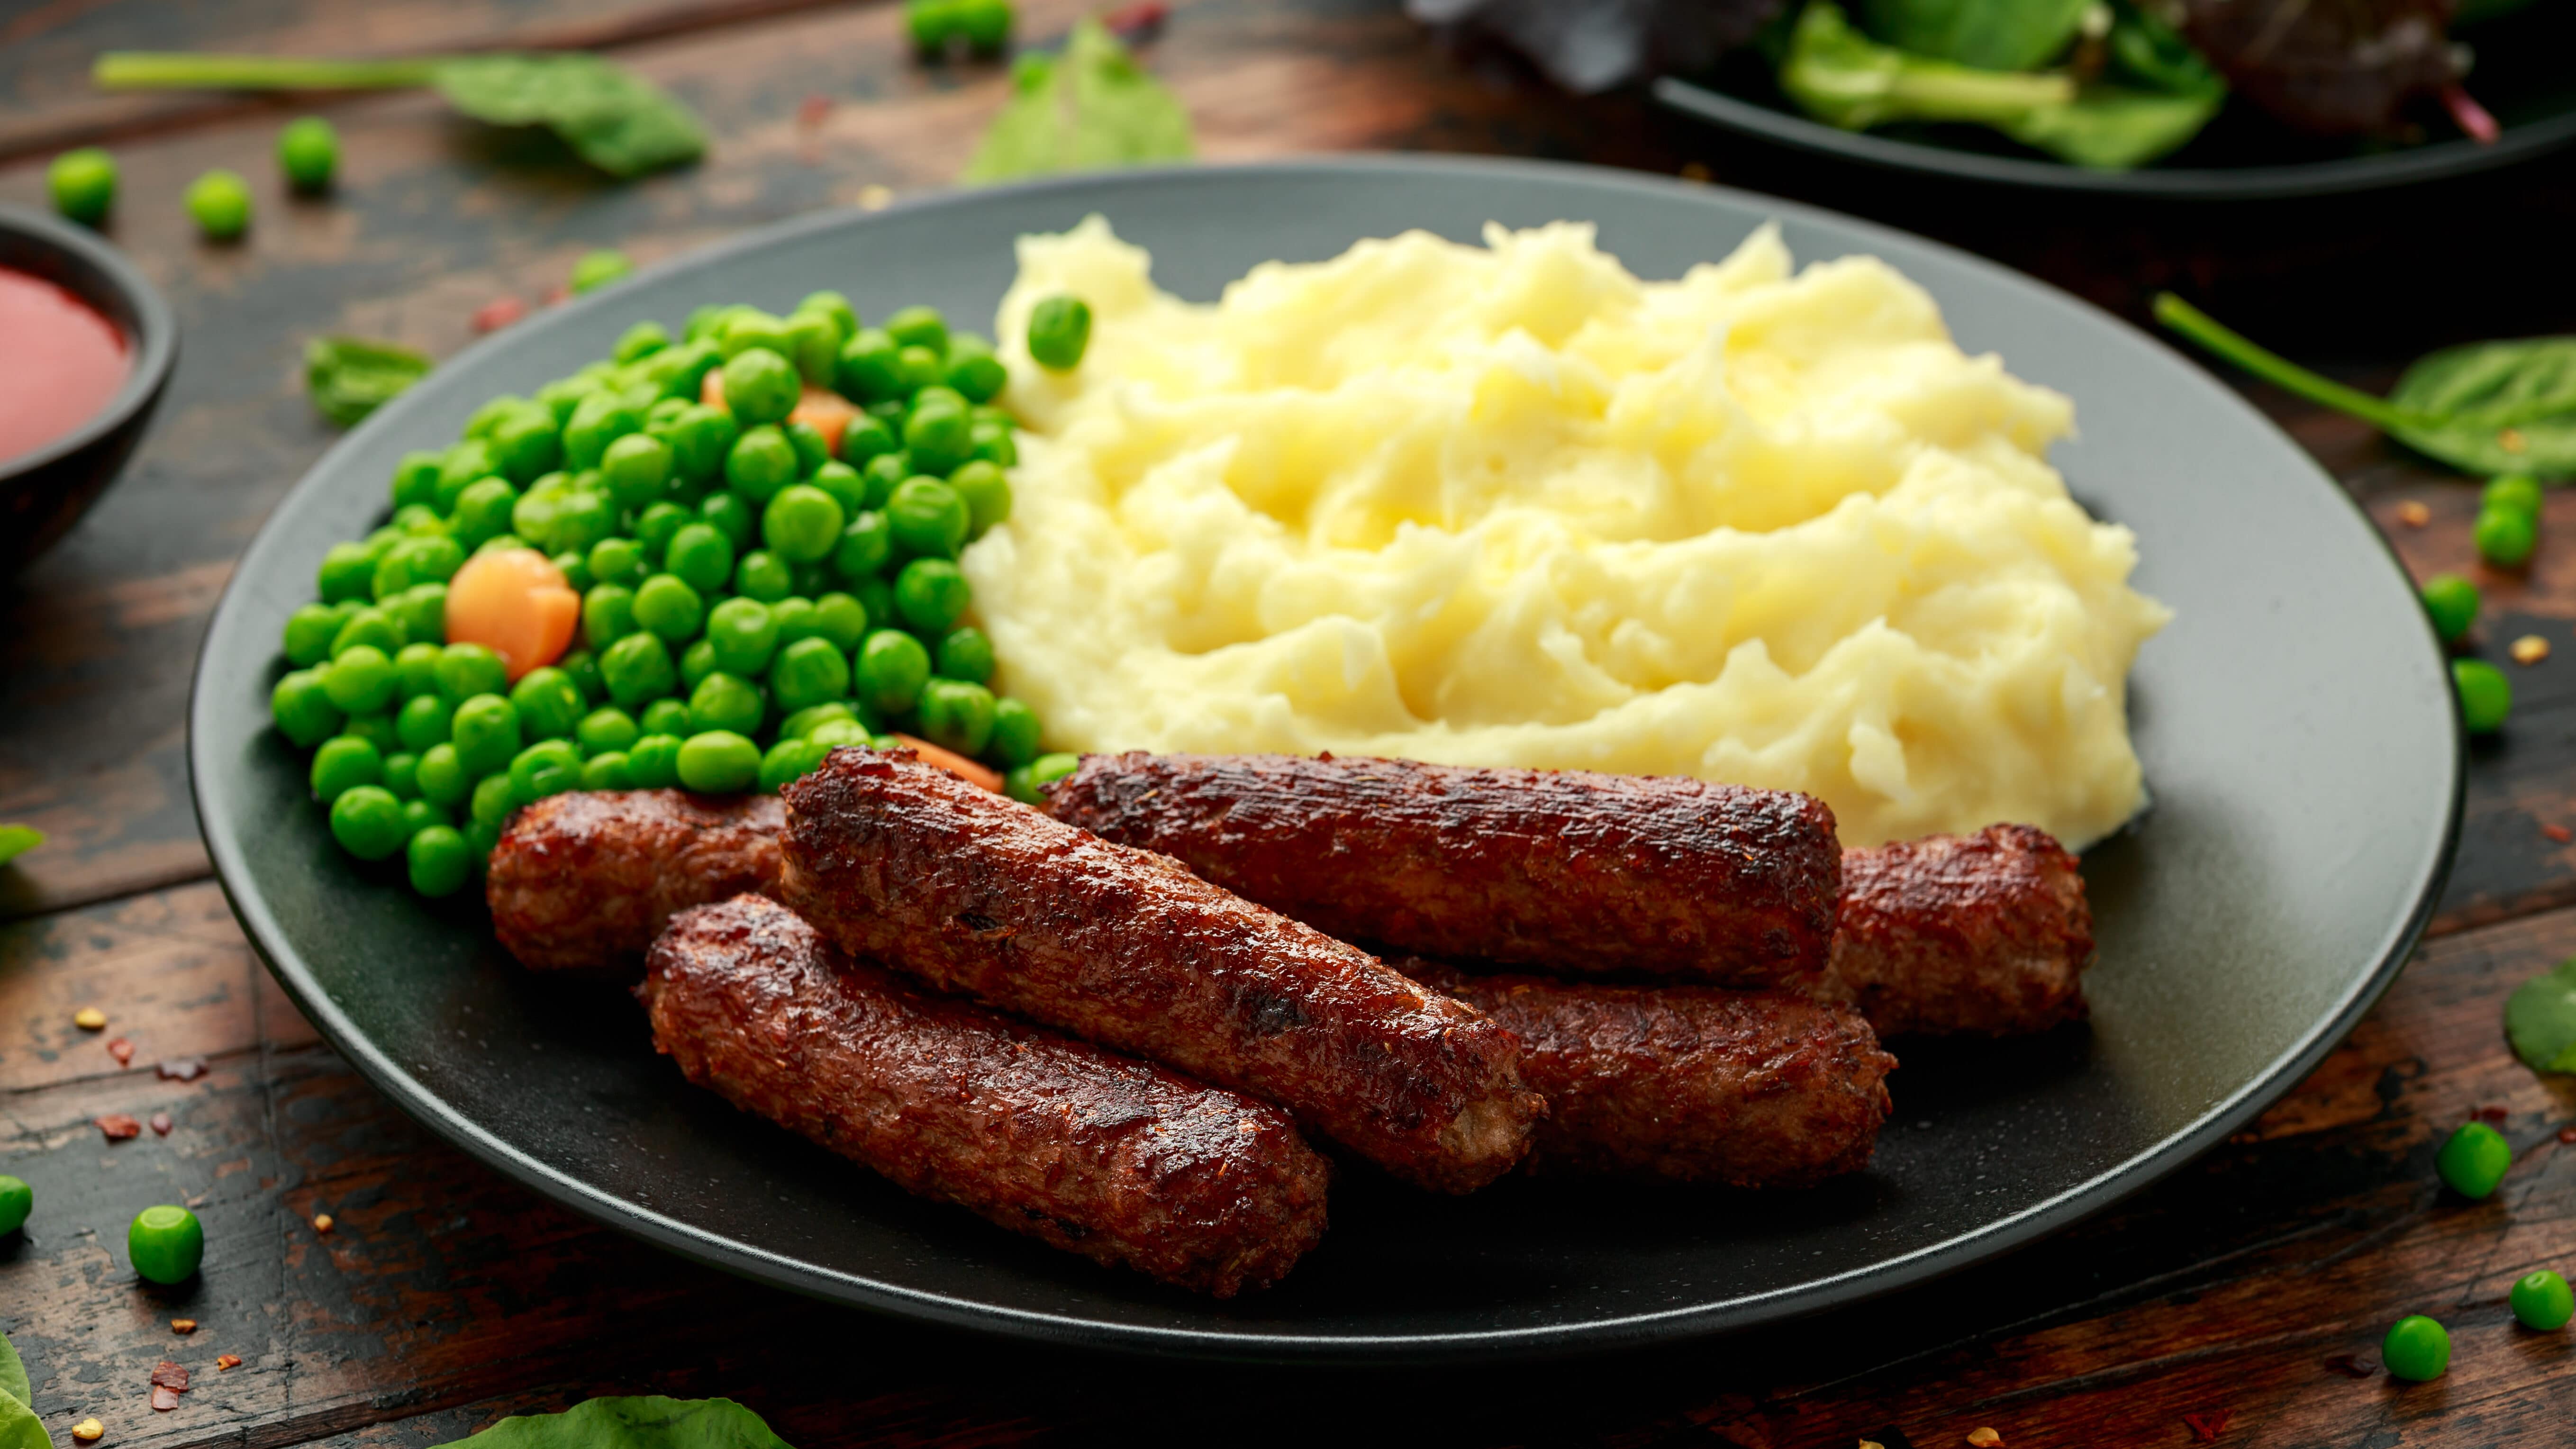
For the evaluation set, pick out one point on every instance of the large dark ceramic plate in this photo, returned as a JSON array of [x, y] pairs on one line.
[[2521, 76], [2295, 722]]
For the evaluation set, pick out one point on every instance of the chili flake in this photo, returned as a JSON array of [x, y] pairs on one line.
[[321, 1222], [183, 1325], [227, 1361], [88, 1431], [119, 1126], [183, 1069], [2530, 649], [164, 1400], [160, 1124], [2559, 833], [1984, 1438], [2567, 1134], [813, 111], [498, 313], [2413, 513], [2512, 440], [171, 1376], [1141, 21], [122, 1050], [2205, 1428], [90, 1018]]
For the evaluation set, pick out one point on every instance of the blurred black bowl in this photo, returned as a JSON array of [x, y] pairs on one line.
[[45, 491]]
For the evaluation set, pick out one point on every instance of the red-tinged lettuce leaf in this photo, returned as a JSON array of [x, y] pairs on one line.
[[1589, 46], [2331, 67], [647, 1422]]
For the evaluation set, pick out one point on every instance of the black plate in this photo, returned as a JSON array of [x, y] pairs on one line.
[[2522, 76], [2295, 723]]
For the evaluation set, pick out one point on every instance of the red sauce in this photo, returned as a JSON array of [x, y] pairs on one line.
[[63, 362]]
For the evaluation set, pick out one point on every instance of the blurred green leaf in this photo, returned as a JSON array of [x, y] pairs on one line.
[[648, 1422], [350, 377], [15, 841], [1092, 107]]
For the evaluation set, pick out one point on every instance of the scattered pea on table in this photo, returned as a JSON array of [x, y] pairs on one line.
[[219, 202], [165, 1244], [2416, 1348], [2475, 1159], [83, 183], [308, 151]]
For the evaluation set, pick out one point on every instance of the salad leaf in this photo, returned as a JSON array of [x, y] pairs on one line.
[[1987, 34], [2540, 1019], [350, 377], [20, 1428], [2144, 49], [648, 1422], [2485, 408], [15, 841], [613, 118], [14, 1383], [1092, 107], [1844, 78]]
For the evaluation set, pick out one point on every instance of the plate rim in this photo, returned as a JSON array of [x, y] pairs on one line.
[[1606, 1334]]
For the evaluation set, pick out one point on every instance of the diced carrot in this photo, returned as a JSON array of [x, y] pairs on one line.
[[825, 411], [711, 388], [955, 764], [515, 602]]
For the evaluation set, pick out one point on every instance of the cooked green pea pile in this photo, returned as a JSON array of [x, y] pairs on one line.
[[750, 599]]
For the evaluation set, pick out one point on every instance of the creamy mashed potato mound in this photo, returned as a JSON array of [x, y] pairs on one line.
[[1510, 505]]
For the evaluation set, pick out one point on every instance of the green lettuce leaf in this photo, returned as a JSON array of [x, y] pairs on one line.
[[1092, 107], [13, 1374], [350, 377], [20, 1428], [648, 1422], [2540, 1019], [1987, 34]]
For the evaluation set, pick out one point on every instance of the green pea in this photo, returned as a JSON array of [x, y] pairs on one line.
[[2416, 1348], [892, 668], [699, 439], [931, 24], [938, 438], [802, 723], [418, 666], [841, 619], [348, 572], [832, 734], [727, 513], [1015, 733], [344, 763], [83, 183], [807, 672], [637, 669], [696, 663], [985, 24], [422, 722], [2505, 536], [724, 701], [493, 799], [1027, 783], [866, 371], [789, 760], [575, 567], [957, 715], [654, 762], [485, 732], [843, 484], [597, 269], [761, 463], [916, 368], [814, 345], [813, 450], [420, 815], [667, 716], [939, 397], [883, 474], [845, 319], [219, 202], [2512, 490], [466, 670], [2486, 696], [764, 576], [308, 151], [1059, 332], [668, 607], [865, 545], [655, 526], [866, 438], [2540, 1300], [582, 519], [744, 635], [483, 511], [927, 519], [532, 517], [607, 614], [582, 667], [481, 422], [367, 821], [303, 709], [548, 704], [749, 329], [597, 421], [606, 728], [640, 341], [165, 1244], [562, 395], [17, 1200], [802, 523], [718, 762], [426, 559], [706, 320], [440, 776], [416, 479], [761, 386], [361, 680], [795, 618], [637, 469], [309, 631], [930, 594], [987, 494], [420, 611], [973, 369], [607, 770], [548, 767], [918, 327], [964, 654], [2475, 1159], [376, 729], [527, 444], [699, 556], [619, 561], [440, 861]]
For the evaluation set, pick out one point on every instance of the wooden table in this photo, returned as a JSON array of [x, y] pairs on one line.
[[2240, 1302]]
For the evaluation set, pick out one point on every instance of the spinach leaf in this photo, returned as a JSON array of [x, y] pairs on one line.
[[613, 118], [1987, 34], [20, 1428], [649, 1422], [15, 841], [2142, 48], [350, 377], [2540, 1019], [1844, 78], [1092, 107], [14, 1383], [2486, 408]]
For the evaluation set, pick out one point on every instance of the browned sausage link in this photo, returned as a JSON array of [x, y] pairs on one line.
[[1098, 1154], [981, 895], [1761, 1088], [1563, 870], [1985, 934], [585, 881]]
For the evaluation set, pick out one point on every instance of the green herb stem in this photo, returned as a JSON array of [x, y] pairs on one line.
[[147, 69], [2210, 333]]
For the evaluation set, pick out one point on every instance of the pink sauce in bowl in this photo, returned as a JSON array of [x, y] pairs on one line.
[[63, 364]]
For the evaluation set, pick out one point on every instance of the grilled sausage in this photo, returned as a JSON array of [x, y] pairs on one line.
[[1565, 871], [1095, 1153], [1765, 1088], [1985, 934], [978, 894], [586, 880]]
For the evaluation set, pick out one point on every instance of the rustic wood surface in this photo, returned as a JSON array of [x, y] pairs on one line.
[[2237, 1303]]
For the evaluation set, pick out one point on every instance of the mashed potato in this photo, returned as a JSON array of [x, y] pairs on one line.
[[1510, 505]]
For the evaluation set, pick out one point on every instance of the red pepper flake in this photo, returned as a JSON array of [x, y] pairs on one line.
[[2559, 833], [122, 1050], [558, 293], [171, 1376], [1140, 21], [2493, 1112], [183, 1069], [813, 111], [160, 1124], [227, 1361], [498, 313], [118, 1126], [183, 1325], [2351, 1367], [2205, 1428], [163, 1400]]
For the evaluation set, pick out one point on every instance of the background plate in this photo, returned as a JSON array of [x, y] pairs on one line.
[[2295, 722]]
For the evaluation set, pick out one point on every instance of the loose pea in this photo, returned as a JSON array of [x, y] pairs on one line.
[[219, 202], [2475, 1160], [1027, 783], [760, 386], [654, 763], [361, 680], [606, 728], [440, 861], [441, 777], [669, 607], [655, 525], [1015, 733], [303, 709], [957, 715], [83, 183], [2486, 696], [696, 663], [842, 620], [422, 722], [930, 24], [466, 670], [597, 269], [308, 151], [637, 469], [2416, 1348], [866, 544], [965, 654], [744, 635], [802, 523], [727, 513], [666, 716], [724, 701], [938, 438], [761, 463], [699, 556], [789, 760], [485, 732], [344, 763], [718, 762], [2505, 536], [2518, 491], [309, 631], [1059, 332], [814, 345], [2542, 1301], [348, 572], [607, 614], [548, 704], [987, 494], [16, 1201], [165, 1244], [492, 800], [892, 669], [764, 576], [930, 594], [607, 770], [809, 671], [367, 821]]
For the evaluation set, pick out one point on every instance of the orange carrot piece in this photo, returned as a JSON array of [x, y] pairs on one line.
[[516, 603]]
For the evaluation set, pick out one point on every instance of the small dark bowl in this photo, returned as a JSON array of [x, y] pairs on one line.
[[45, 491]]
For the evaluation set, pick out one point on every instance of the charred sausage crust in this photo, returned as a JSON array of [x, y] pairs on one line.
[[586, 880]]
